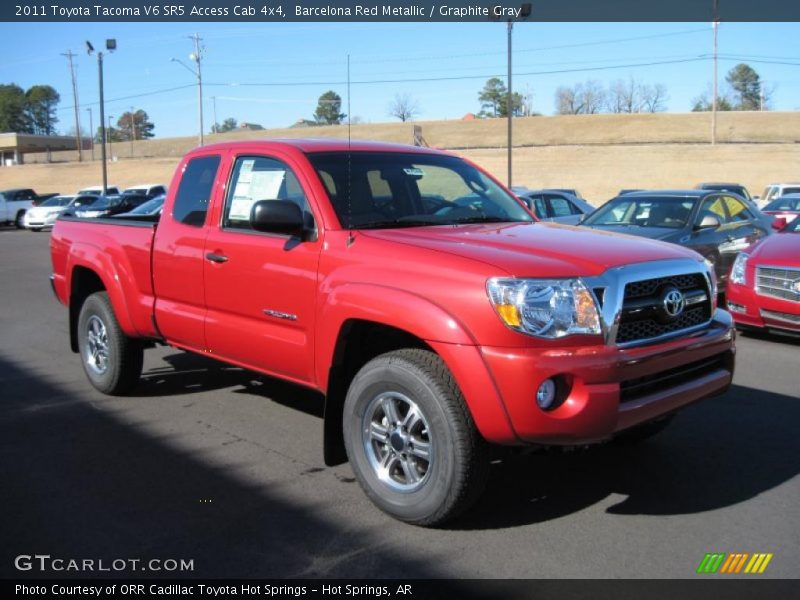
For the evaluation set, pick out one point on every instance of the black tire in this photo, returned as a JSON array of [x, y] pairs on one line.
[[19, 222], [455, 473], [36, 228], [642, 433], [118, 373]]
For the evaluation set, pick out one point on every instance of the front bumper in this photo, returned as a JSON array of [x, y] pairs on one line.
[[609, 389], [750, 309]]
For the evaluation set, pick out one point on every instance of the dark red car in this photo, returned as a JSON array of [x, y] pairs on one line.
[[787, 207], [764, 285]]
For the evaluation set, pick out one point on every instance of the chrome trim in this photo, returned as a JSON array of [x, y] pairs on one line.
[[758, 288], [780, 316], [280, 315], [614, 281]]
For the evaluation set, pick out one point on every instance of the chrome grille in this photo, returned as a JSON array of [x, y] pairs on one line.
[[642, 318], [778, 282]]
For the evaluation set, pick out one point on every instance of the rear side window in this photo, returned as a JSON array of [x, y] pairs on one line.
[[194, 191], [561, 207]]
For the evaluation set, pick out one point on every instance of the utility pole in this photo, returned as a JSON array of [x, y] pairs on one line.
[[78, 137], [91, 130], [111, 45], [197, 57], [715, 26], [108, 141], [133, 131], [510, 103], [214, 101]]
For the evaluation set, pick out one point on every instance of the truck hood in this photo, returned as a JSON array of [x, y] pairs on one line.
[[536, 249]]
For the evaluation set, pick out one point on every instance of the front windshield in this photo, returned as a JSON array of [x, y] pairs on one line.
[[135, 191], [392, 189], [83, 201], [784, 203], [149, 207], [57, 201], [648, 211]]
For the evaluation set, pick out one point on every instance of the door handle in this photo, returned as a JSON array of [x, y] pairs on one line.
[[217, 258]]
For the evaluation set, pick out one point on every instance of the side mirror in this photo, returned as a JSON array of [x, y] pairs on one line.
[[778, 223], [277, 216], [708, 222]]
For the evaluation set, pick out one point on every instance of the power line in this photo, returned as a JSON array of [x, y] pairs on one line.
[[141, 95]]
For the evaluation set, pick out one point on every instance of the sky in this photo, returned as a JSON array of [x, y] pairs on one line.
[[442, 66]]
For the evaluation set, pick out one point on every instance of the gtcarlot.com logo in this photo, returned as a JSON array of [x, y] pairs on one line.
[[734, 563], [46, 562]]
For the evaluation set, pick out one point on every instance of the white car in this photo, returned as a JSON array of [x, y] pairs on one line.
[[14, 204], [97, 190], [776, 190], [45, 215]]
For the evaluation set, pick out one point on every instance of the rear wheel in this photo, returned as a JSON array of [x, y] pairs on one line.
[[112, 361], [411, 440]]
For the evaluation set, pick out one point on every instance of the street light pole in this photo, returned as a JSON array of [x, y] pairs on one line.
[[91, 130], [196, 56], [715, 25], [510, 104], [108, 138], [133, 131], [111, 45]]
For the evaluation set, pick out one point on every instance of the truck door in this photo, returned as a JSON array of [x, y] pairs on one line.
[[178, 257], [261, 287]]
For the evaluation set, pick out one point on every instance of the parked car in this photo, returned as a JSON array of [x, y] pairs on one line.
[[46, 213], [15, 202], [776, 190], [786, 206], [764, 286], [736, 188], [151, 190], [107, 206], [84, 205], [718, 225], [151, 208], [551, 205], [414, 292], [97, 190]]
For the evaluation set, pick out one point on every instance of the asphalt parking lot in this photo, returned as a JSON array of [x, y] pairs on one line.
[[224, 467]]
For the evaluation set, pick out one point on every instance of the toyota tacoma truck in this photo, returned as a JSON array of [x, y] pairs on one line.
[[416, 293]]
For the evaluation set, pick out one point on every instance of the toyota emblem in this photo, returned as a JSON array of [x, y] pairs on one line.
[[673, 302]]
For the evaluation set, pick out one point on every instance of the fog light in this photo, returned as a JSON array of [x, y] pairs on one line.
[[737, 308], [546, 394]]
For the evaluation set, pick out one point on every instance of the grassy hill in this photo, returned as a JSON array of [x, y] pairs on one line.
[[598, 154]]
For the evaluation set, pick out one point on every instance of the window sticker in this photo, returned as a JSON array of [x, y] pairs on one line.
[[414, 172], [252, 187]]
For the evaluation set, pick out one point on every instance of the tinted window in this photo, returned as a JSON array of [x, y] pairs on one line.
[[783, 203], [714, 207], [259, 178], [194, 191], [672, 213], [790, 190], [561, 207], [539, 207], [381, 190], [737, 211]]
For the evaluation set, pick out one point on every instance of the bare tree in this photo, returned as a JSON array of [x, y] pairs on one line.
[[568, 101], [592, 97], [404, 107], [653, 97], [624, 96]]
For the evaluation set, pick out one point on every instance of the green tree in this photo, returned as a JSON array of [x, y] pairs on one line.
[[40, 105], [135, 124], [329, 108], [746, 84], [494, 100], [228, 124], [493, 97], [13, 116]]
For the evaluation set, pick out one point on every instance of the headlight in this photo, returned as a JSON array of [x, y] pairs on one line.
[[548, 308], [739, 268]]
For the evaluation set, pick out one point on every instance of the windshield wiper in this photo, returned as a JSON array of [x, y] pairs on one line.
[[484, 219], [396, 223]]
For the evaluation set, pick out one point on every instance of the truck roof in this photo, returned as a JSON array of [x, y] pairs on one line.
[[310, 145]]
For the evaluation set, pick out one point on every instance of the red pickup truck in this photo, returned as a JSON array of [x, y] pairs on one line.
[[425, 302]]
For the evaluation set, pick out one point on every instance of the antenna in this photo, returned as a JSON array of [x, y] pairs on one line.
[[350, 238]]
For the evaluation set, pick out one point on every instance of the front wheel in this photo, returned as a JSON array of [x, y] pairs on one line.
[[411, 440], [19, 222], [112, 361]]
